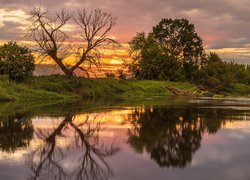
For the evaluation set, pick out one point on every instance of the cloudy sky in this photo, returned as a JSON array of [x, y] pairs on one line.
[[224, 25]]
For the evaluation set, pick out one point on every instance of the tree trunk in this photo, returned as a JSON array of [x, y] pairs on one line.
[[66, 71]]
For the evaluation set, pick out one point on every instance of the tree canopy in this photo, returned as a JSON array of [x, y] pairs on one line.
[[218, 75], [173, 51], [16, 61], [169, 52], [149, 60], [178, 38]]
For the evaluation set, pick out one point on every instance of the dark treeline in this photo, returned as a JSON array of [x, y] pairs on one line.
[[173, 51]]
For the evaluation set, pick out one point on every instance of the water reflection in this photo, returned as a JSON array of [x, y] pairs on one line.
[[171, 135], [49, 157], [16, 131], [81, 142]]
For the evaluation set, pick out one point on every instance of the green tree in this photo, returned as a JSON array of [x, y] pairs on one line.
[[218, 75], [16, 61], [172, 51], [179, 39], [149, 61], [213, 58]]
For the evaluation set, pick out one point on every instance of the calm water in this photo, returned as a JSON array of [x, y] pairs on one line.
[[140, 139]]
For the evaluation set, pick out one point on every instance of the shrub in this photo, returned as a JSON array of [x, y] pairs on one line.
[[16, 61]]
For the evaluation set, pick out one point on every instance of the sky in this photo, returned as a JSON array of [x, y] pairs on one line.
[[224, 25]]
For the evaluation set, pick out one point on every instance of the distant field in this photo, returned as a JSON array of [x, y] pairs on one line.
[[45, 70]]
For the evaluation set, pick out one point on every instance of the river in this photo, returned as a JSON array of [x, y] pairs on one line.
[[154, 138]]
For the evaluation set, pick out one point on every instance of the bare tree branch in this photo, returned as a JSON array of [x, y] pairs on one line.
[[49, 32]]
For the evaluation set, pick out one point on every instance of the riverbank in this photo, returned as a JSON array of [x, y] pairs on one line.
[[51, 88], [47, 88], [11, 91]]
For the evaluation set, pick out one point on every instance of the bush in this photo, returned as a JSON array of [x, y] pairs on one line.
[[219, 76], [16, 61]]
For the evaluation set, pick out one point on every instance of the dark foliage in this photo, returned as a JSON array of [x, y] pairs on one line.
[[218, 75], [16, 61], [178, 37], [149, 61], [173, 51], [172, 135]]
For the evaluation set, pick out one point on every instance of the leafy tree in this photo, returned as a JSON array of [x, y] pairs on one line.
[[179, 39], [16, 61], [213, 58], [241, 72], [149, 61], [172, 51], [136, 46], [218, 75]]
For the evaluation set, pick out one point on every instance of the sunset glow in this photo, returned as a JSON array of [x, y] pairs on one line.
[[217, 27]]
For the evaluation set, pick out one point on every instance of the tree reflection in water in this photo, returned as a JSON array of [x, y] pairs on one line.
[[73, 149], [47, 159], [172, 135], [16, 131]]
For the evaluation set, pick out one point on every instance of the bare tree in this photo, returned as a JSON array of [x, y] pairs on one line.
[[51, 33]]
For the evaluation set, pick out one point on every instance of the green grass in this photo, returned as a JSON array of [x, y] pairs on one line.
[[237, 89], [106, 87], [10, 91], [57, 87]]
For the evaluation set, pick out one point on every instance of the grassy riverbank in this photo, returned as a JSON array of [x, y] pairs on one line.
[[50, 88], [10, 91], [59, 87]]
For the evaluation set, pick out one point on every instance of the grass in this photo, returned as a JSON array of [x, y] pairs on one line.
[[237, 89], [106, 87], [10, 91], [58, 87]]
